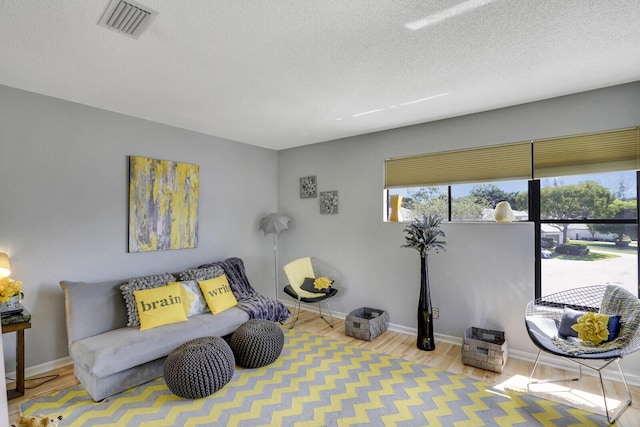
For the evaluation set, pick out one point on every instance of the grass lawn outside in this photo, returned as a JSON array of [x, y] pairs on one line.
[[609, 246], [591, 256]]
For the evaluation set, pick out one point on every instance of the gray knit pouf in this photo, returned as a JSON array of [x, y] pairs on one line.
[[257, 343], [199, 367]]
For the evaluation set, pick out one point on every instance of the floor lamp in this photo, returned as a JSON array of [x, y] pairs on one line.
[[274, 223]]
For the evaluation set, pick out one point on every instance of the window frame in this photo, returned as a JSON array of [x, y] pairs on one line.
[[535, 217]]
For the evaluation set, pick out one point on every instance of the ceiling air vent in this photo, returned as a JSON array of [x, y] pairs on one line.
[[127, 17]]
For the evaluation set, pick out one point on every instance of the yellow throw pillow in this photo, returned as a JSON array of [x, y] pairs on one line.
[[592, 327], [218, 294], [160, 306]]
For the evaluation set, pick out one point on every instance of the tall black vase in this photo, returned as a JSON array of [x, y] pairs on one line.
[[426, 341]]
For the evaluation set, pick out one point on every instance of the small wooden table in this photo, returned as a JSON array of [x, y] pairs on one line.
[[17, 323]]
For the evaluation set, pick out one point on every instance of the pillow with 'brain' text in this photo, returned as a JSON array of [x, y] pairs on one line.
[[138, 284], [160, 306], [218, 294]]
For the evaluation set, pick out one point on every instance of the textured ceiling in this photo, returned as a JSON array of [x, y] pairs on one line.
[[284, 73]]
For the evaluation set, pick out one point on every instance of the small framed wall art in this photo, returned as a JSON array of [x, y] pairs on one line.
[[308, 187], [328, 202]]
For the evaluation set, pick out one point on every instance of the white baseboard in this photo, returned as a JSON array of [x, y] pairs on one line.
[[37, 370], [611, 374]]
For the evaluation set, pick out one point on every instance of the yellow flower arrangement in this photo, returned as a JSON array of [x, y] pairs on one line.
[[9, 288], [592, 327], [322, 283]]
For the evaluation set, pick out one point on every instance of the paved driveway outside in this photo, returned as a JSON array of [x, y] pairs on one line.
[[561, 274]]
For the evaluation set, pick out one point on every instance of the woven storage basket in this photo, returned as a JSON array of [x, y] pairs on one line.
[[366, 323], [485, 349]]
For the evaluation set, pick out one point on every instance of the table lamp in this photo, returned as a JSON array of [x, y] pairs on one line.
[[5, 266]]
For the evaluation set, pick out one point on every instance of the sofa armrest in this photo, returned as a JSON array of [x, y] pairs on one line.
[[92, 308]]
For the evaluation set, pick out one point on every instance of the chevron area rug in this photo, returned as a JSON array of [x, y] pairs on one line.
[[318, 381]]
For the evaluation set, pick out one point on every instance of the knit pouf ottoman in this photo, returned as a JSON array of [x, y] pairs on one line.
[[257, 343], [199, 367]]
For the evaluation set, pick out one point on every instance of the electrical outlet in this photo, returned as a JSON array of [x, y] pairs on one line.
[[436, 313]]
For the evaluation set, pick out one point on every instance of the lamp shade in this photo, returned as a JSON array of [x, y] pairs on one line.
[[274, 223], [5, 266]]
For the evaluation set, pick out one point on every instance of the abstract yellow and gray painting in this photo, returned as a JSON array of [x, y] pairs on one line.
[[163, 205]]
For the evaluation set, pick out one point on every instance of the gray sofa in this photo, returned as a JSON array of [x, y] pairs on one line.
[[110, 357]]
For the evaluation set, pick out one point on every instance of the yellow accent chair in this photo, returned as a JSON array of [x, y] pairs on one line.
[[297, 271]]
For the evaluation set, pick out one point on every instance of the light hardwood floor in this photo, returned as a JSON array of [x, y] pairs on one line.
[[446, 356]]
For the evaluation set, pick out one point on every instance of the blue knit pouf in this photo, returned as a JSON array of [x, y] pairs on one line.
[[257, 343], [199, 367]]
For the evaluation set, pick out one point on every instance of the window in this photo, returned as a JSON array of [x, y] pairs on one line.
[[462, 185], [585, 207], [417, 201], [580, 191], [465, 202], [588, 231], [477, 202]]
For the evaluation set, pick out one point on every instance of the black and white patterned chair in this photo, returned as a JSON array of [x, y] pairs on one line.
[[544, 318]]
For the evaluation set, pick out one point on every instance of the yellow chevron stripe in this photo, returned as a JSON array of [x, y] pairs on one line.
[[47, 407], [316, 391], [319, 412], [109, 410], [386, 389], [550, 413], [582, 420], [170, 418], [303, 344], [432, 416], [510, 408], [478, 405], [311, 373], [422, 386]]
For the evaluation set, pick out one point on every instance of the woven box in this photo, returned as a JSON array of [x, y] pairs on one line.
[[485, 349], [366, 323]]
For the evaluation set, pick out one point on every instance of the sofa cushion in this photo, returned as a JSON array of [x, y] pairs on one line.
[[124, 348]]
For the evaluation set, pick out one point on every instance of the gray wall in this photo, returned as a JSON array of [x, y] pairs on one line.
[[486, 276], [63, 213]]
